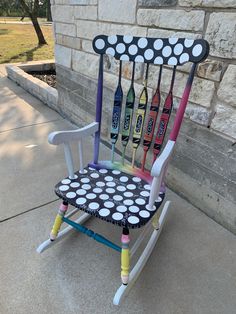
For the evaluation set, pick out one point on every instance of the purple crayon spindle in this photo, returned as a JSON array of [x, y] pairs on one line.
[[98, 110]]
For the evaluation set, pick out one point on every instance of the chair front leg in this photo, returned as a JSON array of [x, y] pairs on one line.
[[58, 220], [125, 256]]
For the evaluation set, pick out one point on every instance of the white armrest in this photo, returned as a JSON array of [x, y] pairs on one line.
[[163, 159], [60, 137]]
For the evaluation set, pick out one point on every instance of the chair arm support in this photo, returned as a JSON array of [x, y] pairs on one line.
[[163, 159], [56, 138]]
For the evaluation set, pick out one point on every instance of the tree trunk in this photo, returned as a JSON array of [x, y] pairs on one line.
[[33, 16], [38, 30], [49, 14]]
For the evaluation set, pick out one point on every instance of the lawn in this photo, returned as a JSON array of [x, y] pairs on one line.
[[18, 43]]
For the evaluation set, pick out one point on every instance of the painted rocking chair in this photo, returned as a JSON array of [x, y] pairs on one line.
[[120, 193]]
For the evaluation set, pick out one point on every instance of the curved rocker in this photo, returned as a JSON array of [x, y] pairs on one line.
[[124, 289]]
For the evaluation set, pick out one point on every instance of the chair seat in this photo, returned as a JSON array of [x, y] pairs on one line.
[[110, 195]]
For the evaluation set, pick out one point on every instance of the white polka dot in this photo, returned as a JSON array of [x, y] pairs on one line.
[[173, 40], [197, 50], [104, 212], [110, 51], [188, 42], [178, 49], [128, 194], [109, 204], [158, 60], [128, 202], [148, 54], [112, 39], [184, 58], [93, 205], [110, 190], [124, 179], [121, 188], [133, 220], [124, 57], [117, 198], [75, 184], [85, 180], [83, 171], [116, 172], [104, 197], [120, 48], [111, 184], [81, 192], [122, 208], [91, 196], [108, 178], [99, 43], [147, 187], [86, 186], [134, 209], [172, 61], [159, 199], [74, 177], [131, 186], [94, 175], [70, 194], [127, 39], [166, 51], [136, 179], [97, 190], [139, 59], [63, 187], [100, 184], [66, 181], [140, 201], [144, 193], [144, 214], [92, 169], [103, 170], [142, 42], [80, 201], [133, 49], [117, 216], [158, 44], [150, 209]]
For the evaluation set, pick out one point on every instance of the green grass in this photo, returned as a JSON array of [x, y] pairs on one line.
[[19, 43], [4, 19]]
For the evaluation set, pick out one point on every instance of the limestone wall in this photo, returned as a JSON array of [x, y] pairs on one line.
[[208, 162]]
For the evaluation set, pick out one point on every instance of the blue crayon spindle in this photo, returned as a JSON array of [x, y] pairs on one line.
[[115, 126]]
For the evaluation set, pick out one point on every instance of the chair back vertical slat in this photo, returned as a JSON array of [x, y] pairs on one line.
[[81, 159], [116, 114], [183, 103], [164, 120], [69, 160], [98, 109], [128, 115], [151, 121], [140, 116]]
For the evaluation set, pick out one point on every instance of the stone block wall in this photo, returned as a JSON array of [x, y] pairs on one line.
[[204, 167]]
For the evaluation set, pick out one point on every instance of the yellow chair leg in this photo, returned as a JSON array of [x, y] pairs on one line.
[[125, 256], [58, 221]]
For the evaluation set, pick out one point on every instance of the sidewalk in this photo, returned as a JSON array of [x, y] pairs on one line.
[[192, 269]]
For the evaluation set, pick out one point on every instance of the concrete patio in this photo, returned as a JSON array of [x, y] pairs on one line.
[[192, 269]]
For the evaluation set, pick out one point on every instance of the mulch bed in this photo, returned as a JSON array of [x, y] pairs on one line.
[[48, 77]]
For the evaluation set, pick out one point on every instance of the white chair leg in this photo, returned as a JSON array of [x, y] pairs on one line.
[[123, 289], [48, 243]]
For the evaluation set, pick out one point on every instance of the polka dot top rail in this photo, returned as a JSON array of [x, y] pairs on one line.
[[171, 51], [111, 195]]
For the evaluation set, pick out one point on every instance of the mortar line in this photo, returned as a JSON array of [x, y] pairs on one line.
[[28, 210]]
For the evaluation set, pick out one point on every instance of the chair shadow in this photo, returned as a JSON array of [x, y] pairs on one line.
[[29, 55]]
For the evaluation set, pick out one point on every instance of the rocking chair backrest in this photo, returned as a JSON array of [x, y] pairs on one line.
[[158, 51]]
